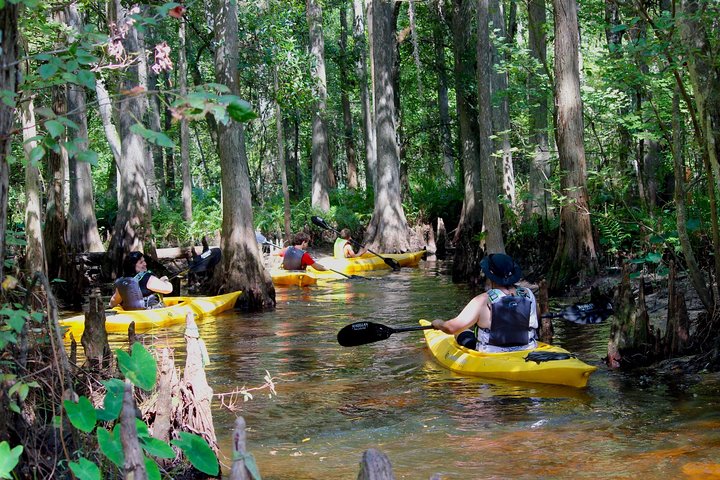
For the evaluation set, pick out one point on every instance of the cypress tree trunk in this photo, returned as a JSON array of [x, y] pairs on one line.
[[365, 98], [242, 264], [184, 127], [388, 229], [575, 257]]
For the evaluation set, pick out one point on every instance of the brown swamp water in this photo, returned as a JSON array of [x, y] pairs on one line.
[[333, 403]]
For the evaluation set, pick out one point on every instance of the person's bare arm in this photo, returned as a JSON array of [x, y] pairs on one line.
[[159, 285], [319, 267], [473, 312]]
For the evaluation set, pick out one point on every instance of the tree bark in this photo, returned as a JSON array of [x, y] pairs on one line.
[[539, 176], [8, 83], [132, 226], [465, 264], [242, 263], [55, 220], [575, 258], [365, 98], [499, 100], [83, 234], [184, 127], [321, 170], [352, 180], [388, 229], [281, 157], [35, 249], [491, 212], [446, 147]]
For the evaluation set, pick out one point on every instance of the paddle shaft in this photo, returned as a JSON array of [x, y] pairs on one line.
[[267, 242]]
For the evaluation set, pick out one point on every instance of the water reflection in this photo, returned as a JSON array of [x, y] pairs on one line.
[[332, 402]]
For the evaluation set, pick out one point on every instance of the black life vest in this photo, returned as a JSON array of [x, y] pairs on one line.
[[293, 258], [511, 320]]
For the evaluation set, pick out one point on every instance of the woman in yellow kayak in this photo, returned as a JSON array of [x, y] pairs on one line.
[[502, 319], [343, 246], [138, 289]]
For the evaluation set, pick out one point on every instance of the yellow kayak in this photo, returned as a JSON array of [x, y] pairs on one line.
[[535, 365], [118, 320], [366, 262], [301, 278]]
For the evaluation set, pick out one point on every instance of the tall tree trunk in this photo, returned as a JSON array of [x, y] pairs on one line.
[[388, 229], [281, 156], [360, 47], [169, 169], [491, 212], [321, 170], [575, 257], [132, 226], [446, 147], [55, 221], [83, 234], [540, 169], [111, 133], [242, 263], [499, 98], [184, 127], [8, 83], [35, 249], [152, 179], [352, 180], [465, 262]]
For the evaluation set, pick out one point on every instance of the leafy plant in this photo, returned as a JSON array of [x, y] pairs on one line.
[[140, 369]]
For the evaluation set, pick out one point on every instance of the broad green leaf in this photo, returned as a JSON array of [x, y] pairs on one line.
[[81, 414], [9, 458], [140, 367], [15, 318], [87, 156], [198, 452], [654, 257], [84, 469], [163, 140], [157, 448], [693, 224], [85, 58], [36, 154], [54, 128], [47, 70], [115, 389], [86, 78], [152, 469], [241, 111], [111, 446]]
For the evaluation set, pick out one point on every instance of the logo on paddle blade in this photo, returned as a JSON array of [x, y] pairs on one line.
[[360, 326]]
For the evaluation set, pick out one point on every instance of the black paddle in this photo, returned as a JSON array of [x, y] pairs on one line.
[[583, 313], [362, 333], [392, 263], [264, 241], [204, 261]]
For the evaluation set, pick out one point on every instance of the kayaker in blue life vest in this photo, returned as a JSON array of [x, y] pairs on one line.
[[343, 246], [504, 318], [295, 257], [138, 288]]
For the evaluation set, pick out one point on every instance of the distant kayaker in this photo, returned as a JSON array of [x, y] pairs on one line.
[[295, 257], [504, 318], [138, 288], [343, 246]]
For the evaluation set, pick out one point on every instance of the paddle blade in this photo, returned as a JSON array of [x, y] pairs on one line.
[[392, 263], [320, 222], [587, 313], [206, 260], [362, 333]]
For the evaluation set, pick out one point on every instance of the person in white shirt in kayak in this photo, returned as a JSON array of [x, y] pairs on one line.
[[343, 246], [504, 318]]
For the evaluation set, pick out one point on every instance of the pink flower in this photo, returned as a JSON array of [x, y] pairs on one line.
[[162, 58]]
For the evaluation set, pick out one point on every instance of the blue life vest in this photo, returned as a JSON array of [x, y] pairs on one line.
[[134, 292], [292, 259]]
